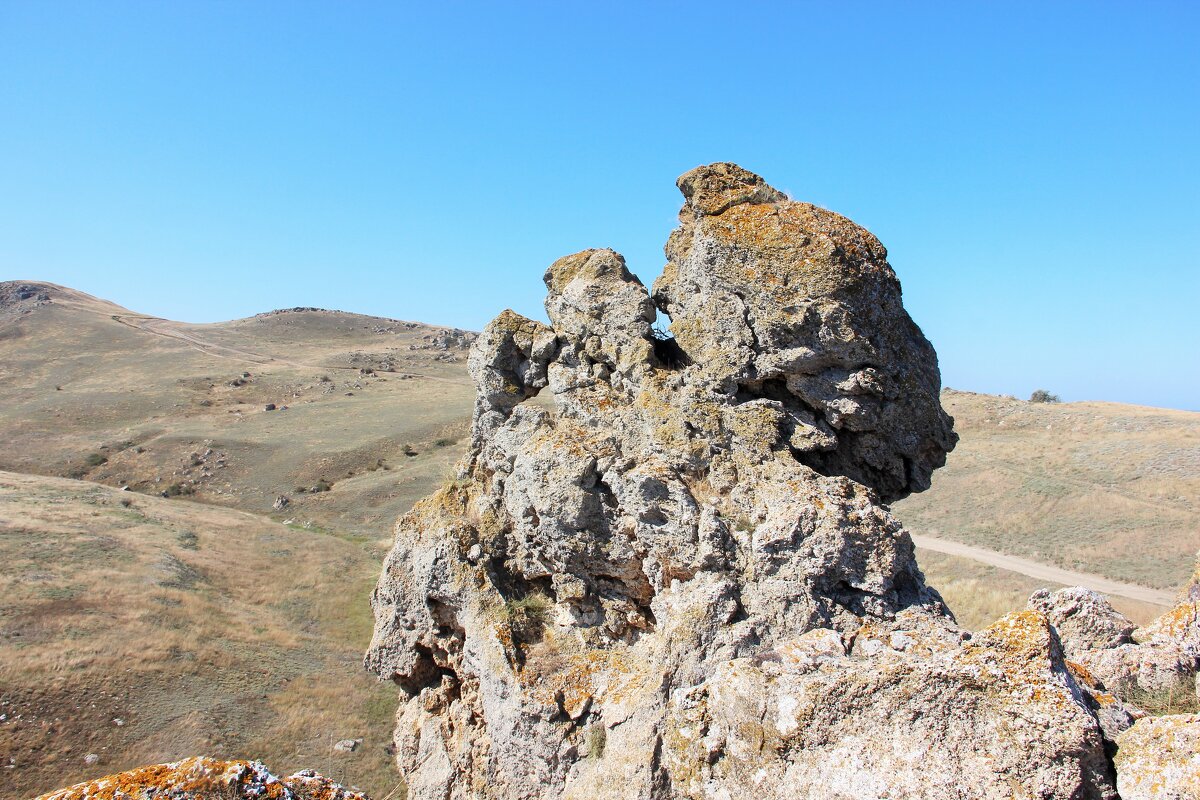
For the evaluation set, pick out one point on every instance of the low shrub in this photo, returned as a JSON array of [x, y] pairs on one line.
[[1043, 396]]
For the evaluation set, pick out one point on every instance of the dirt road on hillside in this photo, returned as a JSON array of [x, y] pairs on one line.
[[1045, 572]]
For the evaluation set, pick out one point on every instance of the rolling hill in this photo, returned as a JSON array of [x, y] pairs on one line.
[[228, 616], [370, 408]]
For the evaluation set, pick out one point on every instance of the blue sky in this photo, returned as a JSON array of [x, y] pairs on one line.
[[1032, 167]]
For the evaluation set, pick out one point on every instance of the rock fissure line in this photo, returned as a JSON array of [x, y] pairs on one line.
[[697, 558]]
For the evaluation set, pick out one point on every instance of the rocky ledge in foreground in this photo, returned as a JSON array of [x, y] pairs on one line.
[[206, 779], [666, 568]]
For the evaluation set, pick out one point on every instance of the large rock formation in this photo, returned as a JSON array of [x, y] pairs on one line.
[[666, 570]]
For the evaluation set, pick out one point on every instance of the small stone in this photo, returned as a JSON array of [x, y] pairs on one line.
[[347, 745], [269, 407], [91, 758]]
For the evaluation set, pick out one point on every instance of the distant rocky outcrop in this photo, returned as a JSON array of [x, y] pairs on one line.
[[207, 779], [678, 578], [19, 297]]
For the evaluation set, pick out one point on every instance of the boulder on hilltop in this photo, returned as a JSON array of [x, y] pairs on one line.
[[673, 573]]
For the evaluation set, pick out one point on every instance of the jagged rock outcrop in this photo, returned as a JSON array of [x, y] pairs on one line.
[[1124, 659], [951, 721], [794, 303], [206, 779], [665, 568]]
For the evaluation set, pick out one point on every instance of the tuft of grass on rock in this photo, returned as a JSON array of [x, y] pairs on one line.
[[597, 737], [1043, 396], [1178, 698], [528, 615]]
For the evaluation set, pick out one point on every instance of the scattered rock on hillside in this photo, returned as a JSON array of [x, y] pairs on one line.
[[23, 295], [207, 779], [680, 580]]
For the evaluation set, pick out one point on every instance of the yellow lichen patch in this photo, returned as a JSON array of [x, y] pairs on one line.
[[795, 249], [590, 263], [509, 321], [572, 678], [1178, 622], [1081, 674]]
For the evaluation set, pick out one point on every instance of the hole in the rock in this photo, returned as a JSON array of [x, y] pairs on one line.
[[424, 675], [667, 351], [770, 389], [670, 354]]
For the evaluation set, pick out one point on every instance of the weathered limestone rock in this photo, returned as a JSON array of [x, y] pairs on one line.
[[1159, 759], [207, 779], [642, 525], [791, 302], [1164, 655], [961, 722]]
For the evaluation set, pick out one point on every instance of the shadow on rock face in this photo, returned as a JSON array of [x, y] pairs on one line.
[[679, 550]]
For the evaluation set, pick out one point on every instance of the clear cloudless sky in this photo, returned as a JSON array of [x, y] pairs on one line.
[[1032, 168]]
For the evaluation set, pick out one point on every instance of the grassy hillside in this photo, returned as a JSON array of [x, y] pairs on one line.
[[374, 409], [231, 627], [142, 630], [1098, 487]]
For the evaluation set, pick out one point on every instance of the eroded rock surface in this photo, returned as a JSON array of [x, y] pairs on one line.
[[206, 779], [666, 570], [1131, 662], [1159, 759]]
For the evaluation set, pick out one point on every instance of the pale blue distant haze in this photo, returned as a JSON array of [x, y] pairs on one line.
[[1031, 167]]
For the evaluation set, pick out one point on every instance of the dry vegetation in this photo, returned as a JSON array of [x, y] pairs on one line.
[[979, 594], [207, 629], [161, 629], [1103, 488], [374, 409]]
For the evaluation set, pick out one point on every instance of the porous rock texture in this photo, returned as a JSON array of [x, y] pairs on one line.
[[1118, 656], [206, 779], [1159, 759], [666, 569]]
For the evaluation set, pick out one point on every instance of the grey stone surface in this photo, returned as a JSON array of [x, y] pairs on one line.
[[665, 568]]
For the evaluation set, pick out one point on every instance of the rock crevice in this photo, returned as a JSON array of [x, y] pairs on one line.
[[670, 572]]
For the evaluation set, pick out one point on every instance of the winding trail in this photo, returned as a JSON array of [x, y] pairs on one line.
[[1046, 572]]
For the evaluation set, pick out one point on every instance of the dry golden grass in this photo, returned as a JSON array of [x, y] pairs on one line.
[[979, 594], [82, 381], [204, 630], [1102, 488]]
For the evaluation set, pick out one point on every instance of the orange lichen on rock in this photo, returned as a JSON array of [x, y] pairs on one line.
[[203, 778]]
